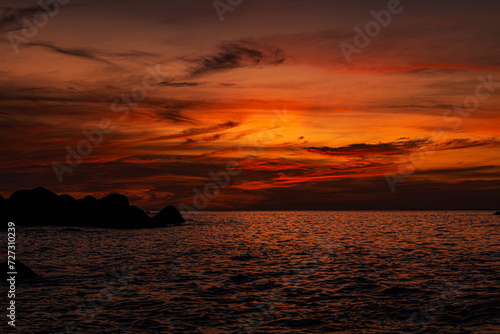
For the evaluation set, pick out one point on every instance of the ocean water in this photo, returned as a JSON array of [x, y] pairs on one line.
[[266, 272]]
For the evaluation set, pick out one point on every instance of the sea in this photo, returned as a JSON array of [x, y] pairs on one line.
[[358, 272]]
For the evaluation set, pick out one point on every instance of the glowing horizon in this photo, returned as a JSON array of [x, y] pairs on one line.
[[268, 87]]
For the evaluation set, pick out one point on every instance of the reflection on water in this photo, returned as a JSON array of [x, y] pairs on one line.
[[267, 272]]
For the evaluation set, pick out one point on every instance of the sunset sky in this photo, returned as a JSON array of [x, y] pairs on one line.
[[267, 87]]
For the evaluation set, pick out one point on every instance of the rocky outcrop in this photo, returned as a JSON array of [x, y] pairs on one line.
[[497, 213], [169, 215], [116, 201], [41, 206]]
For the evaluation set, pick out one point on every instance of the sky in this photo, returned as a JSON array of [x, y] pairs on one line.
[[313, 104]]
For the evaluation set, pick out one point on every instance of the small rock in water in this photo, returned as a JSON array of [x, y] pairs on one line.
[[169, 215]]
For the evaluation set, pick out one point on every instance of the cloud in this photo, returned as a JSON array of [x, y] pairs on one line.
[[466, 172], [400, 146], [233, 55], [173, 110], [81, 53], [455, 144], [197, 131], [92, 54], [213, 137], [175, 116], [276, 165], [404, 49], [132, 53], [179, 84], [11, 18], [363, 149]]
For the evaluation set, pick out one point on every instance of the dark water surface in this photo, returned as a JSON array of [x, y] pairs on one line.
[[266, 272]]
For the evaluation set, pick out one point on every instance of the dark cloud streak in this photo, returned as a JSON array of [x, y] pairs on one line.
[[197, 131], [11, 18], [81, 53], [233, 55], [400, 146]]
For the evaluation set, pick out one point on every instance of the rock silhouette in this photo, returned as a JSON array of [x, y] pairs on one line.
[[169, 214], [22, 271], [497, 213], [41, 206]]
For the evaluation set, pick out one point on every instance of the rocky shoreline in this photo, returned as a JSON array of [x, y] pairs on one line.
[[42, 207]]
